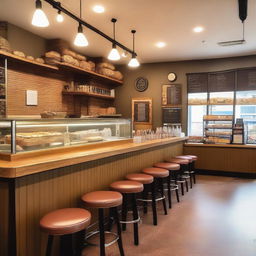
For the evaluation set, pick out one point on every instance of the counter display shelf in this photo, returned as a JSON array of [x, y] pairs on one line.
[[17, 136], [218, 129]]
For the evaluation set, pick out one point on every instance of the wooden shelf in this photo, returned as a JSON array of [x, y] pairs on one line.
[[89, 73], [89, 94], [18, 58]]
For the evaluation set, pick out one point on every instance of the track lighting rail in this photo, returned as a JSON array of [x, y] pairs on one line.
[[57, 5]]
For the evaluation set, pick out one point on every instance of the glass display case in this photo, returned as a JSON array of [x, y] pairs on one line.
[[28, 135]]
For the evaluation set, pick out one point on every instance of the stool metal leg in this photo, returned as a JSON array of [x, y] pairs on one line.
[[119, 231], [145, 197], [102, 232], [169, 191], [153, 191], [177, 195], [162, 194], [80, 236], [135, 217], [66, 245], [124, 211], [186, 182], [49, 245], [110, 219]]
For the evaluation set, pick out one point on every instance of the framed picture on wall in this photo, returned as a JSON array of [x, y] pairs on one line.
[[171, 115], [142, 112], [171, 95]]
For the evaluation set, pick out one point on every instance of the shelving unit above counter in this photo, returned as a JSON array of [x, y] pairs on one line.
[[107, 97], [64, 67]]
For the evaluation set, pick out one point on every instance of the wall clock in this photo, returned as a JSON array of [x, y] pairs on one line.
[[141, 84], [172, 77]]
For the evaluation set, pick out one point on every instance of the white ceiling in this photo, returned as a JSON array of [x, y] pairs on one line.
[[170, 21]]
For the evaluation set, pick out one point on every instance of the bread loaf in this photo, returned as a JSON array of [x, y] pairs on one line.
[[118, 75], [68, 59], [51, 61], [39, 60], [4, 45], [85, 65], [92, 64], [69, 52], [80, 57], [53, 55], [106, 72], [19, 53], [105, 65], [30, 58]]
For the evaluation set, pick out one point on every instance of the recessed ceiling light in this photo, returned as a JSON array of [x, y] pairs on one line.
[[98, 9], [160, 44], [198, 29]]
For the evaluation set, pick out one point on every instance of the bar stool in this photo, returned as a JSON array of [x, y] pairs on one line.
[[157, 185], [172, 168], [64, 223], [105, 200], [193, 168], [129, 189], [189, 171], [181, 177]]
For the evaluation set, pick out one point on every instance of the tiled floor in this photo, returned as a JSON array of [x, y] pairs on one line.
[[216, 218]]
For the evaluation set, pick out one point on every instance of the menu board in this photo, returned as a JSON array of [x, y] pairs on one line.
[[171, 115], [246, 79], [197, 82], [141, 111], [221, 81], [171, 94]]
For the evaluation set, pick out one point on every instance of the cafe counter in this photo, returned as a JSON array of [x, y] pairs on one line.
[[35, 183]]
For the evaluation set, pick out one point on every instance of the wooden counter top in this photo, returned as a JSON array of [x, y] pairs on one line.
[[39, 163], [220, 145]]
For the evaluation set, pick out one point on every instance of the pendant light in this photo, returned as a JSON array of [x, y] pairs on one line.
[[133, 62], [59, 17], [114, 54], [39, 18], [80, 39]]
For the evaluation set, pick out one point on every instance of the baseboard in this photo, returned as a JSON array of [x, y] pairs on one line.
[[244, 175]]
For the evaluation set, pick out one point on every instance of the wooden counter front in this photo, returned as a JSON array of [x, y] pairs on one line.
[[59, 180], [230, 158]]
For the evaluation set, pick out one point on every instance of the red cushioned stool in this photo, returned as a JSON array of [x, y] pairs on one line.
[[64, 223]]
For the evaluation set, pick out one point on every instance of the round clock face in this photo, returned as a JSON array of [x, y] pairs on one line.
[[141, 84], [172, 77]]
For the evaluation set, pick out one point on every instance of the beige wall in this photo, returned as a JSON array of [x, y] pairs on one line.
[[25, 41], [156, 73]]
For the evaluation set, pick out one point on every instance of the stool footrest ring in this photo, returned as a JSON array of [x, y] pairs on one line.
[[91, 234], [130, 221], [150, 200]]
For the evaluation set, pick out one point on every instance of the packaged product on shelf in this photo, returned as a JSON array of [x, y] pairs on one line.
[[39, 60], [30, 58], [19, 53], [105, 65], [4, 45]]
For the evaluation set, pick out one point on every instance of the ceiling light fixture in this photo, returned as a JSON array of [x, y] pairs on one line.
[[82, 23], [124, 54], [160, 44], [114, 54], [59, 17], [98, 9], [198, 29], [133, 62], [80, 39], [39, 18]]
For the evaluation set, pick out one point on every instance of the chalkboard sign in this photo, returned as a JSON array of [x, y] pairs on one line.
[[171, 115], [221, 81], [142, 110], [246, 79], [197, 82], [171, 94]]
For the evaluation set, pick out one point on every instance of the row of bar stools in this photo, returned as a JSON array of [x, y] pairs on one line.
[[172, 168], [65, 223], [105, 200], [129, 190]]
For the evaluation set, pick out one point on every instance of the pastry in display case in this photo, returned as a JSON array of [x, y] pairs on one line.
[[29, 135], [218, 129]]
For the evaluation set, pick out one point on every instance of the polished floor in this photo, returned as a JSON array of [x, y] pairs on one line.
[[216, 218]]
